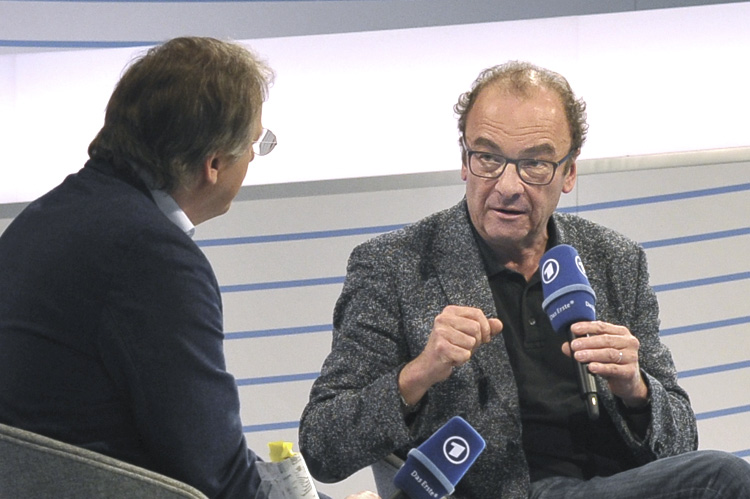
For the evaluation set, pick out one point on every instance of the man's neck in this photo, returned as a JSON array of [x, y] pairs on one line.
[[523, 260]]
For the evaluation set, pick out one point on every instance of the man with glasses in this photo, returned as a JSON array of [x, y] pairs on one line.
[[417, 328], [110, 315]]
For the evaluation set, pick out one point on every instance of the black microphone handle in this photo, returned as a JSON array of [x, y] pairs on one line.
[[586, 385]]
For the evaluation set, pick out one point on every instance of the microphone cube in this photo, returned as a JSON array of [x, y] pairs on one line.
[[433, 469], [418, 481], [568, 296]]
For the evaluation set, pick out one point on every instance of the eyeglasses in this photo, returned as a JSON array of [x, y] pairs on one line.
[[265, 143], [531, 171]]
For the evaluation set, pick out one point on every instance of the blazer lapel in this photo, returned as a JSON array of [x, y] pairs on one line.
[[458, 263], [464, 280]]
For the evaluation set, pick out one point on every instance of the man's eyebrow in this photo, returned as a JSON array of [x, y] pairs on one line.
[[538, 150], [529, 152], [485, 142]]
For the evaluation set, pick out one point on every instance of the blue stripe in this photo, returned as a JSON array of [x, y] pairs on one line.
[[706, 281], [169, 1], [286, 425], [723, 412], [75, 44], [714, 369], [325, 281], [289, 378], [734, 321], [285, 378], [281, 425], [325, 328], [265, 333], [742, 453], [260, 286], [743, 231], [297, 236], [662, 198], [573, 209]]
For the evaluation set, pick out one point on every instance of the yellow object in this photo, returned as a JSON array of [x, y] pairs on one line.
[[280, 451]]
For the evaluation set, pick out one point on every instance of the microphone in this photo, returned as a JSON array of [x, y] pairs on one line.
[[433, 469], [569, 298]]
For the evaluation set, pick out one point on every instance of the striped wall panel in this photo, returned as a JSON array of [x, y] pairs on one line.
[[692, 220], [280, 257]]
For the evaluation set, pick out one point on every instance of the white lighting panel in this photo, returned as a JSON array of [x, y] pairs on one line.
[[378, 103]]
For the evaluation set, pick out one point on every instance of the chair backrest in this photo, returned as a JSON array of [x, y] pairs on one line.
[[33, 466], [383, 472]]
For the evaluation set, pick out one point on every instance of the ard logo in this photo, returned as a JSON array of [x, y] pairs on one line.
[[550, 270], [456, 450]]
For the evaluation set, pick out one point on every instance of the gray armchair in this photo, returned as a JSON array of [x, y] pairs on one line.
[[35, 467], [383, 472]]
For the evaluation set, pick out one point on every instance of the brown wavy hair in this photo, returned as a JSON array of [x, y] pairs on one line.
[[181, 102]]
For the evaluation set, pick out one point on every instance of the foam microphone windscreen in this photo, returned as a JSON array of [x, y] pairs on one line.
[[568, 296], [433, 469]]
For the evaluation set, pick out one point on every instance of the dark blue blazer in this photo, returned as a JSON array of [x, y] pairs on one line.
[[111, 335]]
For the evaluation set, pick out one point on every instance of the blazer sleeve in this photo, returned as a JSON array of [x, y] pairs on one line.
[[162, 344], [353, 417], [673, 427], [618, 270]]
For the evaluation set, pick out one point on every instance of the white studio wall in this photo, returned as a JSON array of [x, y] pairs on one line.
[[367, 143], [378, 103]]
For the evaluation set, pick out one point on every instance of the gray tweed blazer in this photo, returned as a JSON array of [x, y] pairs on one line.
[[397, 283]]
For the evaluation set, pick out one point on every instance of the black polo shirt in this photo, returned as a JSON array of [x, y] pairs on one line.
[[558, 437]]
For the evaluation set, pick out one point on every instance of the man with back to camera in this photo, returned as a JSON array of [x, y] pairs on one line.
[[413, 344], [110, 315]]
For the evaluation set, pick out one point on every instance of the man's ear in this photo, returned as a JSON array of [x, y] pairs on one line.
[[211, 167], [570, 178]]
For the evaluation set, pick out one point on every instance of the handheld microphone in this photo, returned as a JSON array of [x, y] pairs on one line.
[[433, 469], [569, 298]]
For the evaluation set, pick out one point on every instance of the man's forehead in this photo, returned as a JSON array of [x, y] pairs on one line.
[[529, 91]]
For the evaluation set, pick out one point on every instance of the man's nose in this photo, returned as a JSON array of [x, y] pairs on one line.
[[509, 182]]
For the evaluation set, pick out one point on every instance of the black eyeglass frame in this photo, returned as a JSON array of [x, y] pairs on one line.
[[516, 161]]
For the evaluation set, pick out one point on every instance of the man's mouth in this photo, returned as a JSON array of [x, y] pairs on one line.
[[509, 211]]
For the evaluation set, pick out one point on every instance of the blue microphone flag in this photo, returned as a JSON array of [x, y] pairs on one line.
[[568, 296], [433, 469]]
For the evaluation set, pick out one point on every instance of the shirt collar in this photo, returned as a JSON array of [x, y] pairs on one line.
[[173, 212], [166, 204]]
